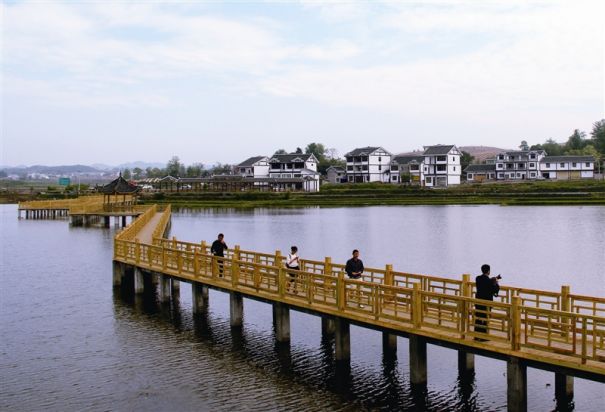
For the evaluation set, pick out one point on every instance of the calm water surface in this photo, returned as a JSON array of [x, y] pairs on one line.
[[70, 343]]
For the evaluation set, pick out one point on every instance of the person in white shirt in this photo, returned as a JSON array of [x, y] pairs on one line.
[[292, 262]]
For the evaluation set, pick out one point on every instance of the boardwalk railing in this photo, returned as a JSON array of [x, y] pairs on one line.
[[59, 204], [553, 327]]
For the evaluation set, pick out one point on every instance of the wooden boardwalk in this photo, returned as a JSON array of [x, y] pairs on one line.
[[556, 329]]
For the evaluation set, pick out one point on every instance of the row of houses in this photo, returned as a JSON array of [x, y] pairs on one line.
[[437, 166], [532, 165]]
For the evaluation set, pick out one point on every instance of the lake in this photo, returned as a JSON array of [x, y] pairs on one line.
[[69, 342]]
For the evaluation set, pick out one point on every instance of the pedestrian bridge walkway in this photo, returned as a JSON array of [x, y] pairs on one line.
[[558, 331]]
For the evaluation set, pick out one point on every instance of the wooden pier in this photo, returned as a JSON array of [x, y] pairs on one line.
[[84, 210], [557, 331]]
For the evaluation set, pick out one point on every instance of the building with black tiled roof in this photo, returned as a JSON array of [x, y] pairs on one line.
[[368, 164]]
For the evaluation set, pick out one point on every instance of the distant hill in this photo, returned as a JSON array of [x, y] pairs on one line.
[[480, 153], [53, 170]]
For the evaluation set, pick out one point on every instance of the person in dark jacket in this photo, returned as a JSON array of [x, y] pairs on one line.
[[354, 267], [218, 249], [487, 288]]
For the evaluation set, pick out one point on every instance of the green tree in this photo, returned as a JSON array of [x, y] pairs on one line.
[[466, 159], [576, 140], [598, 135], [3, 174], [524, 146], [552, 148], [126, 174], [194, 170], [317, 149], [298, 150], [137, 173], [173, 167], [280, 151]]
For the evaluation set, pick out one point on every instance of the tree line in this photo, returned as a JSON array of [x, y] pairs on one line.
[[578, 144]]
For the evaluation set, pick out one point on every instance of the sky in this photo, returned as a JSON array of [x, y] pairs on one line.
[[119, 81]]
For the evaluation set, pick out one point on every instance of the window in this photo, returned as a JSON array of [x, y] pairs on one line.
[[426, 169], [364, 158], [587, 164], [428, 179], [547, 165], [470, 175], [350, 168], [499, 165], [379, 167], [441, 168], [532, 156], [562, 164], [414, 167], [454, 168], [500, 157], [394, 168], [379, 159], [453, 159], [350, 178], [521, 166], [532, 165], [350, 159], [574, 164], [441, 158], [533, 174], [364, 167]]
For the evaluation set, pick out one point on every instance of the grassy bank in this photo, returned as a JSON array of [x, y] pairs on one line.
[[527, 193]]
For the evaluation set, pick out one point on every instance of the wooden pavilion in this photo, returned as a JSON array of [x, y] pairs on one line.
[[119, 193]]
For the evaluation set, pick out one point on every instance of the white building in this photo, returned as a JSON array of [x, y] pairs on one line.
[[368, 164], [405, 167], [441, 166], [257, 166], [567, 167], [296, 166], [519, 164]]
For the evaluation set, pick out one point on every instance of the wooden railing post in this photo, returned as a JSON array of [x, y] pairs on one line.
[[137, 251], [204, 247], [235, 263], [327, 272], [256, 278], [340, 291], [174, 242], [389, 280], [281, 282], [196, 263], [565, 307], [516, 323], [465, 292], [276, 262], [417, 306]]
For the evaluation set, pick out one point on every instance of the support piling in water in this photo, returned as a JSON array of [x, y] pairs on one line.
[[236, 309], [282, 322], [199, 297], [516, 377], [342, 340], [418, 364]]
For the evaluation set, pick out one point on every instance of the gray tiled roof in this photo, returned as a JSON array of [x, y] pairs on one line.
[[555, 159], [119, 186], [405, 159], [336, 168], [364, 150], [480, 168], [251, 161], [288, 158], [438, 149]]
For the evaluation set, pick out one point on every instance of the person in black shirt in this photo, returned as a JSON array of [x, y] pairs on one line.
[[354, 267], [487, 288], [218, 249]]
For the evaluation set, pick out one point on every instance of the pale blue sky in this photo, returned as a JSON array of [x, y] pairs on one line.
[[116, 81]]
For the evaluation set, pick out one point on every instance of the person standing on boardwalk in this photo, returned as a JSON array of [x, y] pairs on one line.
[[292, 262], [487, 288], [354, 267], [218, 249]]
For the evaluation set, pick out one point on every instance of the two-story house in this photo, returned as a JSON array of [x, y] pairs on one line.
[[567, 167], [407, 169], [257, 166], [368, 164], [519, 164], [296, 166], [441, 166]]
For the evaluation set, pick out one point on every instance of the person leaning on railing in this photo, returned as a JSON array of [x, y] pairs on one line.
[[487, 288], [217, 249]]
